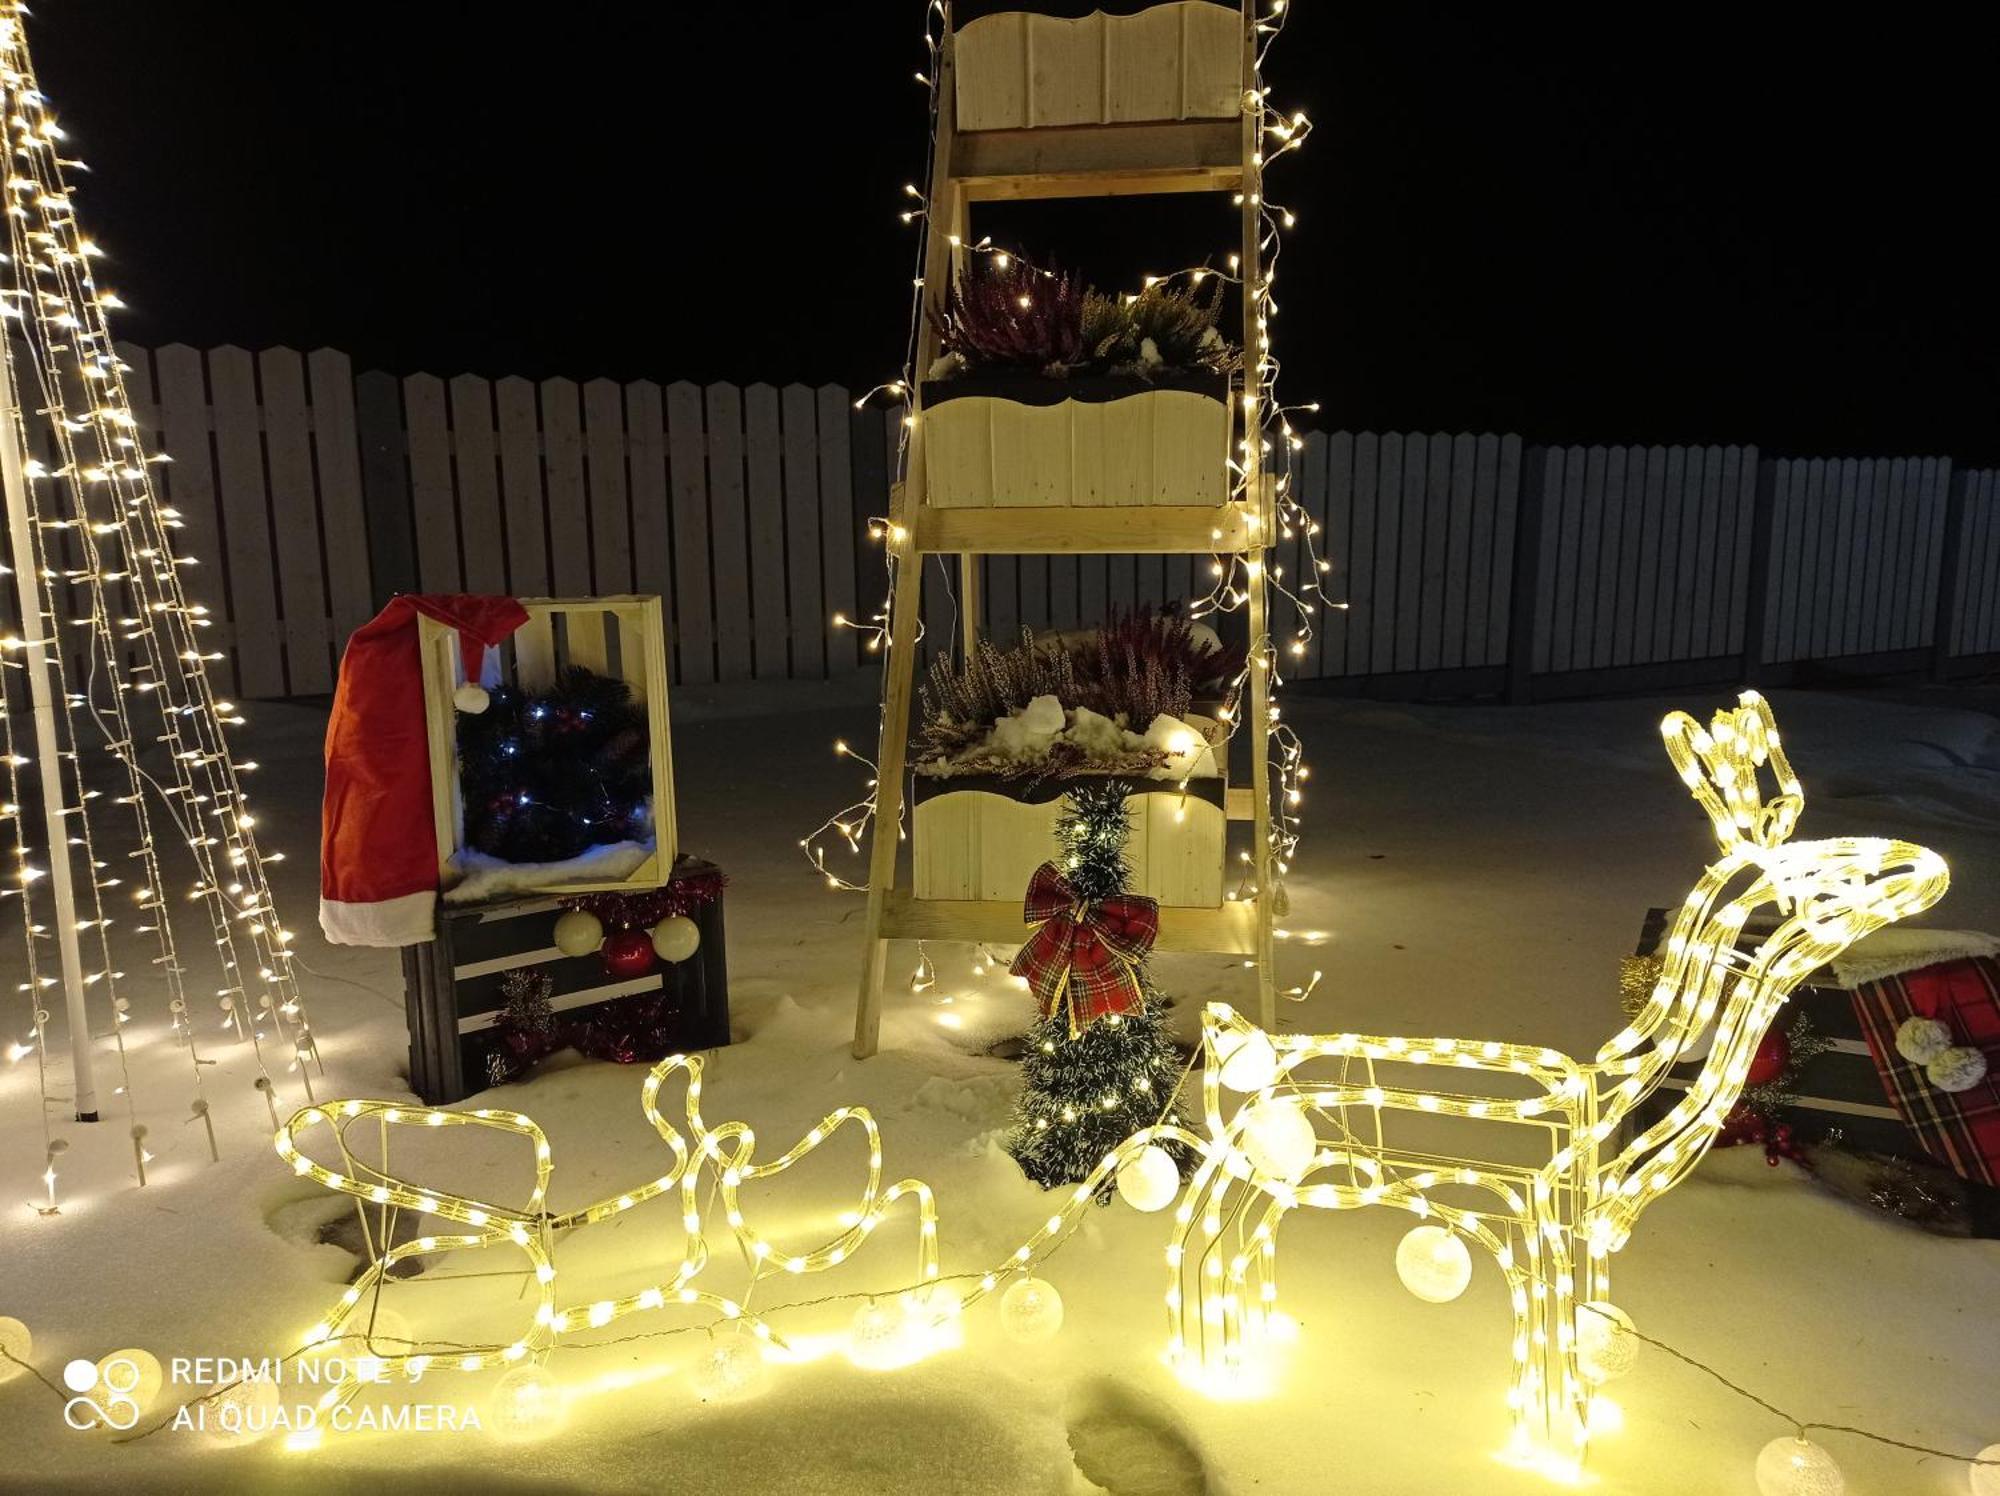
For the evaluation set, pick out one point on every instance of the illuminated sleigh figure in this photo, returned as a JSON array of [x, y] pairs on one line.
[[724, 1152], [1551, 1226]]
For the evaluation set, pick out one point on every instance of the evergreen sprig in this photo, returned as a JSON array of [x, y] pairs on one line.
[[1081, 1097], [546, 776]]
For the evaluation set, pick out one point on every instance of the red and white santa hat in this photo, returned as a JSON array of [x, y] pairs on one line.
[[378, 862]]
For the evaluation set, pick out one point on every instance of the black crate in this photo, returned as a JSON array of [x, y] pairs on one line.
[[451, 986]]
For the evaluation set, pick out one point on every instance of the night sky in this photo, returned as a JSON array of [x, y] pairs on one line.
[[1698, 223]]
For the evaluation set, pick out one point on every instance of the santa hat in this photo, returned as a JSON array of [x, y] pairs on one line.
[[378, 863]]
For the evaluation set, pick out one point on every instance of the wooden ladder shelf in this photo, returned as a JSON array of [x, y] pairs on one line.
[[1053, 161]]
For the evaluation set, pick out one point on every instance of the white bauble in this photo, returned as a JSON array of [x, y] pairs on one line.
[[676, 937], [1605, 1344], [1031, 1311], [578, 932], [19, 1344], [1986, 1478], [1797, 1467], [731, 1364], [1150, 1179], [1433, 1264], [1248, 1062], [245, 1412], [878, 1337], [526, 1403], [134, 1373], [471, 698], [1921, 1040], [1959, 1068], [1279, 1139]]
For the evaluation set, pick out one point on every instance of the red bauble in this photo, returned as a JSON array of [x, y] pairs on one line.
[[1774, 1053], [629, 953]]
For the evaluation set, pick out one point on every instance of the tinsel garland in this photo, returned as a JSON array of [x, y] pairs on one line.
[[632, 1030], [682, 895]]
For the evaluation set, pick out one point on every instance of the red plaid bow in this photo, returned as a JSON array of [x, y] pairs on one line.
[[1084, 960]]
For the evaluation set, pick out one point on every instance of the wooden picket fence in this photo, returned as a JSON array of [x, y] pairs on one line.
[[1470, 564]]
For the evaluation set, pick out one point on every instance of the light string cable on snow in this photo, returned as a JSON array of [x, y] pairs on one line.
[[232, 882], [1296, 525]]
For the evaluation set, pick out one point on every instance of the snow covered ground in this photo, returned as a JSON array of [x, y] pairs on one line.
[[1474, 871]]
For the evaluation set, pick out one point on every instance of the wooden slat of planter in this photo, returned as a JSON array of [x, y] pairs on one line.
[[1230, 929]]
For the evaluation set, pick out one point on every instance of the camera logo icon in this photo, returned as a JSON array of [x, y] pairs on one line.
[[107, 1394]]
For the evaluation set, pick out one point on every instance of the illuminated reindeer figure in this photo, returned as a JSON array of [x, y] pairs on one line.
[[1551, 1219]]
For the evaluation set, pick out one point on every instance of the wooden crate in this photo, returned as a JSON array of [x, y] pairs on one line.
[[452, 996], [1838, 1091], [1020, 70], [623, 637], [1024, 441], [983, 838]]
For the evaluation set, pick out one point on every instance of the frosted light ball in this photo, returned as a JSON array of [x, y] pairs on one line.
[[578, 932], [1031, 1311], [1797, 1467], [134, 1373], [878, 1336], [676, 937], [730, 1365], [526, 1403], [471, 698], [1149, 1180], [1606, 1348], [1249, 1062], [1279, 1139], [19, 1344], [1986, 1478], [1433, 1264], [244, 1413]]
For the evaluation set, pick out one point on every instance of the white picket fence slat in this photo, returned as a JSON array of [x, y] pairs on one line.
[[747, 508]]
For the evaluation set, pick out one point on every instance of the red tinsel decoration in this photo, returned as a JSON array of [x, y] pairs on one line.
[[641, 911]]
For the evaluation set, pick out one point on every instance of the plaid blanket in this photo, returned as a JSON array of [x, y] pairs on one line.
[[1962, 1130]]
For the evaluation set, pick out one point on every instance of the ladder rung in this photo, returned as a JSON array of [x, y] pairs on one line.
[[1230, 929], [1122, 529], [1100, 160]]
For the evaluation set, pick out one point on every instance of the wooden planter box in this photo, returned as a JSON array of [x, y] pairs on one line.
[[1006, 441], [975, 837], [623, 637], [452, 994], [1019, 70]]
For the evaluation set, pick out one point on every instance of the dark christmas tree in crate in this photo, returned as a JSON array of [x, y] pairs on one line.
[[1093, 1077]]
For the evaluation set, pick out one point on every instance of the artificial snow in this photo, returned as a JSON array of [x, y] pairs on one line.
[[1022, 741], [481, 877], [1470, 871]]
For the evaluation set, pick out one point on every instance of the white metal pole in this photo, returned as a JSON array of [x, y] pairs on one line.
[[48, 751]]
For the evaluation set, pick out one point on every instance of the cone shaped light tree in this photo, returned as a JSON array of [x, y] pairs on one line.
[[115, 761]]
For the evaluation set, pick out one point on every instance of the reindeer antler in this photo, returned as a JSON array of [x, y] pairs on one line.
[[1720, 767]]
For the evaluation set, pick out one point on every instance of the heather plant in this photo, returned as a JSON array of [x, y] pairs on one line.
[[1141, 654], [960, 703], [1015, 316], [1012, 316]]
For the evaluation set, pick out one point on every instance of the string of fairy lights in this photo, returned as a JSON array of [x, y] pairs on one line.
[[122, 646], [1271, 427]]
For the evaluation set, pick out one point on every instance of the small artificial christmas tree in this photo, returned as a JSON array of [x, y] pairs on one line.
[[1092, 1077]]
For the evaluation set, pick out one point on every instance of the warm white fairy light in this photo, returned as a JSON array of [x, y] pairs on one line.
[[1267, 423], [87, 479], [723, 1158]]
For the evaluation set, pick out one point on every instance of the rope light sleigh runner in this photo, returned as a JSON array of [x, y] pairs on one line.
[[1317, 1121]]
